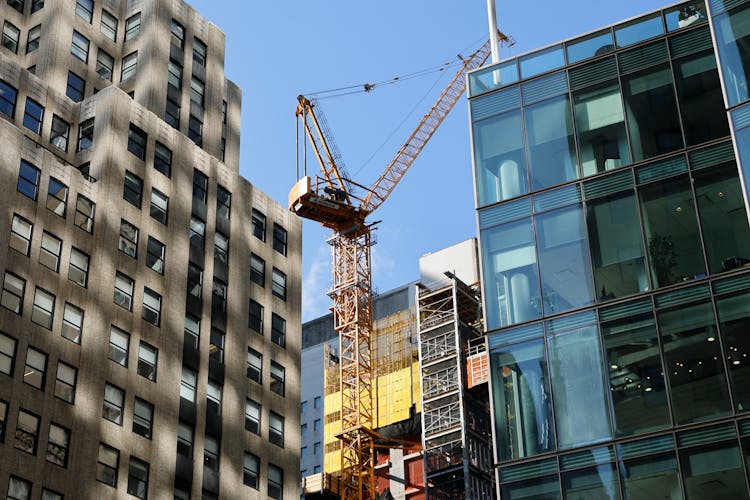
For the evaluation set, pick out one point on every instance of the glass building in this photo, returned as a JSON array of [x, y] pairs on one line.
[[615, 252]]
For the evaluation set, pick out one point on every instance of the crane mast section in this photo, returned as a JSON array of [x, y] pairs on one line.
[[413, 146]]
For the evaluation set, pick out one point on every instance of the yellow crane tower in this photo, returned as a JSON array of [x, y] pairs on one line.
[[343, 205]]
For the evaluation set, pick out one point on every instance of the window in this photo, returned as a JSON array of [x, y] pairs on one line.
[[192, 331], [256, 316], [114, 399], [18, 489], [252, 416], [221, 248], [65, 382], [185, 439], [33, 115], [28, 180], [197, 91], [35, 369], [197, 232], [151, 306], [303, 429], [172, 113], [27, 432], [162, 159], [316, 402], [195, 281], [129, 66], [254, 365], [250, 470], [11, 35], [137, 142], [132, 189], [277, 378], [51, 495], [85, 214], [143, 417], [155, 255], [138, 478], [36, 5], [132, 26], [75, 89], [279, 239], [223, 149], [278, 284], [60, 133], [78, 268], [32, 40], [85, 9], [20, 234], [213, 397], [316, 448], [219, 296], [86, 134], [224, 112], [128, 238], [257, 270], [72, 323], [13, 290], [57, 445], [147, 357], [119, 343], [7, 355], [105, 64], [108, 25], [178, 34], [174, 74], [316, 425], [199, 53], [278, 330], [211, 453], [216, 345], [159, 206], [275, 482], [106, 465], [42, 313], [123, 291], [200, 186], [7, 99], [259, 225], [223, 202], [17, 4], [303, 407], [80, 47], [195, 130], [276, 428], [187, 384]]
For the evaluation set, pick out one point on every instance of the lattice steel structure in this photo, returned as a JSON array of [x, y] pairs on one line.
[[456, 428]]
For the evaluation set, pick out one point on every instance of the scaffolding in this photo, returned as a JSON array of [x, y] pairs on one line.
[[456, 428]]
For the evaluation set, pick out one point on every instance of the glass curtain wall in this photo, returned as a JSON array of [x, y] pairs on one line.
[[734, 322], [732, 30]]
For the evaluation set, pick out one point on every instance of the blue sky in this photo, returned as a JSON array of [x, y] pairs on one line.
[[277, 50]]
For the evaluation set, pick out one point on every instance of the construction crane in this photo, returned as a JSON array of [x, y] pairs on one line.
[[343, 205]]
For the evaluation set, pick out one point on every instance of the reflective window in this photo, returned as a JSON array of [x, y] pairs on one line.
[[540, 488], [10, 37], [721, 208], [155, 255], [578, 388], [278, 283], [138, 478], [107, 464], [7, 356], [599, 481], [671, 230], [147, 356], [34, 372], [20, 235], [119, 343], [57, 445], [129, 66], [128, 242], [60, 133], [28, 180], [259, 225], [255, 321], [522, 399], [685, 15], [105, 64], [132, 26], [693, 360], [86, 134], [275, 482], [7, 99], [639, 30], [78, 267], [511, 276], [600, 123], [33, 116], [699, 94], [75, 89], [151, 306], [257, 270], [32, 41], [13, 291], [252, 416], [651, 111], [108, 25], [114, 401], [636, 375], [72, 323], [27, 432], [709, 469], [65, 382], [500, 158], [564, 264], [251, 470], [542, 61], [162, 158], [651, 477], [132, 190], [593, 45], [80, 47], [43, 310], [732, 31], [734, 321], [143, 417], [159, 206]]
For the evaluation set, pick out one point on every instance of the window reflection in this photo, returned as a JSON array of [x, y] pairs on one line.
[[732, 31], [713, 471], [639, 30], [549, 132], [594, 45], [598, 482], [651, 477], [734, 321]]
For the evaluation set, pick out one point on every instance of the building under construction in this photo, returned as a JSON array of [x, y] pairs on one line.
[[424, 336]]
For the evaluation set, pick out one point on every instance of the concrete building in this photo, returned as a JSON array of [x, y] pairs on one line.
[[614, 253], [150, 340]]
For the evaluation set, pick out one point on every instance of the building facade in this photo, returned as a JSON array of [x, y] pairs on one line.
[[614, 252], [150, 325]]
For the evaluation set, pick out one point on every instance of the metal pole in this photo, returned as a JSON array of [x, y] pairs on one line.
[[492, 18]]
